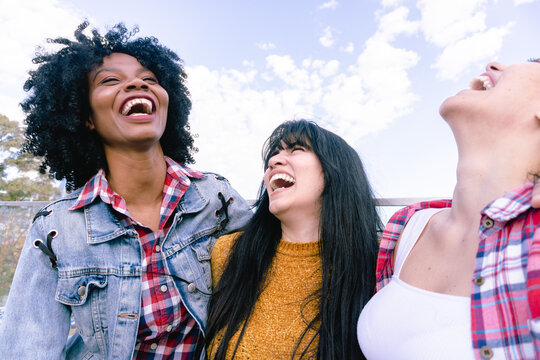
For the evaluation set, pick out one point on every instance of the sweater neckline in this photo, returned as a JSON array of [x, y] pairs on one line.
[[298, 249]]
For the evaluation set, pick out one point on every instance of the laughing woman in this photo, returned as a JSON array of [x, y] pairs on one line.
[[288, 286], [127, 253], [460, 279]]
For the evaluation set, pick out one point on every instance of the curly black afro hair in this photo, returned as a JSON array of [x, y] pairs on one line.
[[58, 108]]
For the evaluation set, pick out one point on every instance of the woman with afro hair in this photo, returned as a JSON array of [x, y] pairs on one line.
[[126, 254]]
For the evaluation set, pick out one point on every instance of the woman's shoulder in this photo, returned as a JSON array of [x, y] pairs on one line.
[[208, 178], [220, 253], [223, 246], [59, 207]]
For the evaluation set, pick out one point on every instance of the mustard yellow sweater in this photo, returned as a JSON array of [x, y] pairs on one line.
[[279, 316]]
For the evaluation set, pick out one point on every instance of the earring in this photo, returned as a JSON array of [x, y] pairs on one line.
[[90, 124]]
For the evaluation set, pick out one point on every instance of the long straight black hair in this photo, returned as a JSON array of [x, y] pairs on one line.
[[349, 225]]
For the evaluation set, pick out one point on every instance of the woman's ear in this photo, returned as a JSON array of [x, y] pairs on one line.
[[90, 123]]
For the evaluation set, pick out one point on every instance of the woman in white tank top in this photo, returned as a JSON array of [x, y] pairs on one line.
[[464, 282], [420, 319]]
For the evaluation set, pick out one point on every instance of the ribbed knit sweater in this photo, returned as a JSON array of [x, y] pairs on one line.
[[281, 313]]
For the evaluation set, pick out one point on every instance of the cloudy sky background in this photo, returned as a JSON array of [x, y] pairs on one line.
[[375, 72]]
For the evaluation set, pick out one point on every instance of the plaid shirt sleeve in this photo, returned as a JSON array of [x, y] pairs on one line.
[[391, 234], [505, 279], [533, 285]]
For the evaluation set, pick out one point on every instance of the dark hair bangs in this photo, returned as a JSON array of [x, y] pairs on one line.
[[288, 135]]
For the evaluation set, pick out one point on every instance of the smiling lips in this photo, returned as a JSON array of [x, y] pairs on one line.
[[482, 82], [138, 107], [281, 180]]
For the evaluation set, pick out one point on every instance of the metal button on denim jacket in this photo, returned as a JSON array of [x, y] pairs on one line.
[[97, 276]]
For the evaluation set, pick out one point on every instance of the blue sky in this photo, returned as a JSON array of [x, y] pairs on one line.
[[375, 72]]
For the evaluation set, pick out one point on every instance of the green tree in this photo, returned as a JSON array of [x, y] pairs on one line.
[[20, 186]]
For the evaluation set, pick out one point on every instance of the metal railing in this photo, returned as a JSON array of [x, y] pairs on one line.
[[401, 201], [24, 203]]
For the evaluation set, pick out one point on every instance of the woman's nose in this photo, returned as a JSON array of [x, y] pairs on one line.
[[276, 160], [494, 66], [135, 84]]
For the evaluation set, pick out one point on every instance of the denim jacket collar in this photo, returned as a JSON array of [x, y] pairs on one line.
[[102, 225]]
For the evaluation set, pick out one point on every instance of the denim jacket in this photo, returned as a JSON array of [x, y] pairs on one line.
[[97, 277]]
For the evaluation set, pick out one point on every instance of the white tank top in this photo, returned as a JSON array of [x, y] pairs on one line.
[[405, 322]]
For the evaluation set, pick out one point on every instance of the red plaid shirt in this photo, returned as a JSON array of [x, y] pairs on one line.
[[505, 296], [166, 329]]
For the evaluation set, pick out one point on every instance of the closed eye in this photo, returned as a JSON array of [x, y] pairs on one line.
[[109, 80], [150, 79], [534, 60], [297, 148]]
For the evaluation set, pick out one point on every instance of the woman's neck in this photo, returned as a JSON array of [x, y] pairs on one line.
[[483, 177], [137, 177], [300, 230]]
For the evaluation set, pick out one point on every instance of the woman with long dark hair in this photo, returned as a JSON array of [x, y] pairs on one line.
[[290, 285]]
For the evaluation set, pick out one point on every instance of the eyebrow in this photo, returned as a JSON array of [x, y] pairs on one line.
[[111, 69]]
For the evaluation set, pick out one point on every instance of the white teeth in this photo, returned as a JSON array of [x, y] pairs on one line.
[[280, 176], [481, 82], [147, 106]]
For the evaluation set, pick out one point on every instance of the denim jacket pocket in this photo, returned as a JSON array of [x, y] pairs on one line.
[[203, 254], [86, 296], [192, 266], [202, 249]]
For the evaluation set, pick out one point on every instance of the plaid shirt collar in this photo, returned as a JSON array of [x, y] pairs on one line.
[[98, 186], [510, 205]]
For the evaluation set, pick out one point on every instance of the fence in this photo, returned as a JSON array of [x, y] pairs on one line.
[[16, 216]]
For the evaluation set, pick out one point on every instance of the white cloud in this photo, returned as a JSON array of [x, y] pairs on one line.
[[237, 109], [266, 46], [25, 25], [470, 51], [231, 111], [349, 48], [375, 93], [330, 68], [332, 4], [327, 39], [519, 2], [233, 115], [285, 69], [445, 22], [459, 29], [391, 3], [395, 23]]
